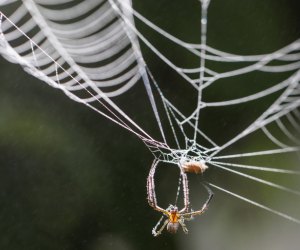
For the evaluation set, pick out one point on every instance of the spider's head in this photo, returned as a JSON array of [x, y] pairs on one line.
[[172, 209]]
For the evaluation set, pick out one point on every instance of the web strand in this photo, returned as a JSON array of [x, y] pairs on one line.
[[283, 215]]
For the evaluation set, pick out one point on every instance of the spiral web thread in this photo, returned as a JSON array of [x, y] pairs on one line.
[[66, 56]]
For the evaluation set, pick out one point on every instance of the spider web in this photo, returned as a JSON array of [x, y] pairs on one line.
[[92, 52]]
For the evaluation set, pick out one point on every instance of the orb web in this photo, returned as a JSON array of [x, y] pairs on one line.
[[92, 52]]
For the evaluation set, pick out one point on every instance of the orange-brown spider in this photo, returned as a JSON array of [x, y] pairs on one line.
[[174, 216]]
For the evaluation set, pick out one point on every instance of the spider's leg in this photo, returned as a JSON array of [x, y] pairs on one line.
[[184, 228], [185, 188], [150, 185], [189, 218], [156, 233], [151, 196], [204, 207], [158, 223], [211, 195]]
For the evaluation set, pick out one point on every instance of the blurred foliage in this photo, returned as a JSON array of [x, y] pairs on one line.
[[70, 179]]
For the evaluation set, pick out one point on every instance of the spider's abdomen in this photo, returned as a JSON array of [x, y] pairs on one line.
[[172, 227]]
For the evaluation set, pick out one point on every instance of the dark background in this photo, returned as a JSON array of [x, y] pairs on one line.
[[70, 179]]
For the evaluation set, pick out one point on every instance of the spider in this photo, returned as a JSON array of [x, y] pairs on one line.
[[174, 216]]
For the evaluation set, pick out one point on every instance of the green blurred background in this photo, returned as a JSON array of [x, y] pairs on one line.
[[70, 179]]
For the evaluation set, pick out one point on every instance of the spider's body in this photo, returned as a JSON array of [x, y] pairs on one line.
[[175, 217]]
